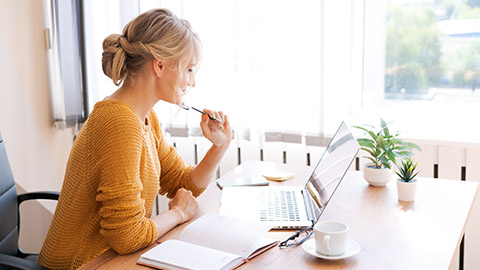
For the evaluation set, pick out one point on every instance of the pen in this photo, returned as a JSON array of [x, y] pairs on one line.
[[185, 107]]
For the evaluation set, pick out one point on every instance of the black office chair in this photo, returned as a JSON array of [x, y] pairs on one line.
[[10, 254]]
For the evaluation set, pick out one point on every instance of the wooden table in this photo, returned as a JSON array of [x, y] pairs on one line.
[[424, 234]]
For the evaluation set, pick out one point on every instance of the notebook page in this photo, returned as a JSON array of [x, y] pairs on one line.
[[175, 254], [224, 233]]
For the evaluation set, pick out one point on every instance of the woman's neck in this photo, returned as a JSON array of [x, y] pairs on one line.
[[140, 96]]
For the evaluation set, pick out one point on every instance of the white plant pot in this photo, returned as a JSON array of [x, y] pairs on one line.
[[406, 190], [376, 177]]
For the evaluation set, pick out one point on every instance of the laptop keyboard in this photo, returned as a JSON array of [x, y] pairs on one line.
[[278, 205]]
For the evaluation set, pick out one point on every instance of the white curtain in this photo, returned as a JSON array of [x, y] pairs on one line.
[[261, 62]]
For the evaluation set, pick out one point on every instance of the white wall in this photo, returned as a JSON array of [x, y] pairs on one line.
[[37, 152]]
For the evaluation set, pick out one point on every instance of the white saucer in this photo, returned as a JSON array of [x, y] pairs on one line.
[[352, 249]]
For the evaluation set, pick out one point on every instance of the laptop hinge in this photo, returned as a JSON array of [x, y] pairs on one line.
[[308, 206]]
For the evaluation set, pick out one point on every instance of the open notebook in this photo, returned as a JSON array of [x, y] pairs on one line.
[[211, 242]]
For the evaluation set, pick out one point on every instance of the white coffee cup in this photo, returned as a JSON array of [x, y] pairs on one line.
[[331, 237]]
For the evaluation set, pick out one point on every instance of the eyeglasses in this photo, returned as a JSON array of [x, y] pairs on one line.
[[305, 233]]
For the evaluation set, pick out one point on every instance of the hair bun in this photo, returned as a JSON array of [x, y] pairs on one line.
[[155, 34], [113, 58]]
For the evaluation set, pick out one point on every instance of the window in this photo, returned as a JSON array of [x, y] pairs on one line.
[[307, 65], [102, 18], [65, 65], [261, 61], [421, 67]]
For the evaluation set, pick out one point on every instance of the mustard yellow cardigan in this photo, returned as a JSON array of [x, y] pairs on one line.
[[116, 167]]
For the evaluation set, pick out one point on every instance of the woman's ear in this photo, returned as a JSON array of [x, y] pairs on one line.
[[158, 67]]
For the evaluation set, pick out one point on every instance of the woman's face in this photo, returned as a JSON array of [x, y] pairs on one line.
[[172, 90]]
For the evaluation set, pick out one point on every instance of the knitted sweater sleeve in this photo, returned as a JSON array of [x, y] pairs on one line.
[[175, 173], [118, 142]]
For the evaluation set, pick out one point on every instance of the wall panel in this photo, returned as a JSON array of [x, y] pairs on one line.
[[186, 147], [472, 232], [230, 159], [249, 150], [273, 151], [451, 159], [426, 159]]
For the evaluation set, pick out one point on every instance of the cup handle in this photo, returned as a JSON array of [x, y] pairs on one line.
[[326, 241]]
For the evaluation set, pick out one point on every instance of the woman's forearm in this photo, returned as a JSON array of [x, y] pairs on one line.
[[204, 171], [167, 220]]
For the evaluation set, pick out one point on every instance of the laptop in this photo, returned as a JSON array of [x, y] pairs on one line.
[[294, 207]]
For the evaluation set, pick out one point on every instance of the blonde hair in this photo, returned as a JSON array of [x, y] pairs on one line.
[[155, 34]]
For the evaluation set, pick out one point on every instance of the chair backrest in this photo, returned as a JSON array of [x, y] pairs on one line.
[[8, 206]]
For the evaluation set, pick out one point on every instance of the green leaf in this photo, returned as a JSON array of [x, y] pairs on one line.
[[398, 142], [373, 135], [406, 169], [366, 142], [369, 151], [385, 162], [380, 141], [386, 165], [402, 148], [391, 156], [362, 128], [384, 126], [385, 147], [414, 146], [405, 153], [387, 137], [372, 160]]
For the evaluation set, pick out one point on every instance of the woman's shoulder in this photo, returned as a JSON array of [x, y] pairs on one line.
[[154, 123], [112, 106], [112, 109], [113, 114]]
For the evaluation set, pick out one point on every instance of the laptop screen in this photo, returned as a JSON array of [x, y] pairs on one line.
[[330, 170]]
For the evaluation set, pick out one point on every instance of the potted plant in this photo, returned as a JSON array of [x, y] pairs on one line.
[[383, 148], [406, 183]]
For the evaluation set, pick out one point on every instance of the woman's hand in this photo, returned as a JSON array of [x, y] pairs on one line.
[[184, 203], [219, 133]]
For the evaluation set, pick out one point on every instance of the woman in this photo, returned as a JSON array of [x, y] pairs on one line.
[[120, 159]]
